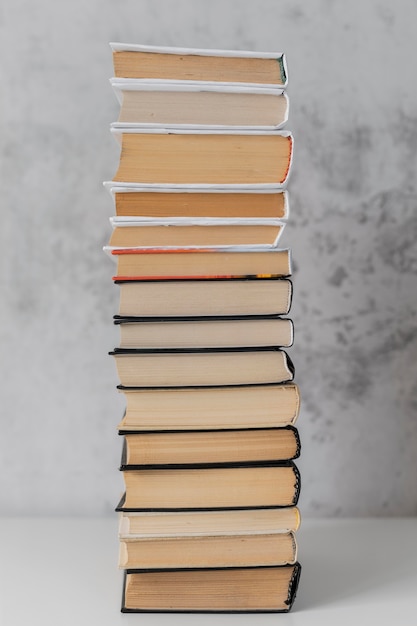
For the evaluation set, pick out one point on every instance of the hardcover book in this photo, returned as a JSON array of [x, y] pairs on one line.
[[142, 232], [215, 590], [216, 158], [228, 550], [168, 104], [204, 297], [204, 332], [227, 446], [267, 69], [188, 367], [198, 201], [209, 486], [240, 262], [217, 407]]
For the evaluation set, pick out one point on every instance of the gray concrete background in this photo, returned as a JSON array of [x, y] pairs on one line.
[[353, 230]]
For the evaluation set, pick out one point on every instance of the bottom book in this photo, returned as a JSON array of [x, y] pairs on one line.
[[266, 589]]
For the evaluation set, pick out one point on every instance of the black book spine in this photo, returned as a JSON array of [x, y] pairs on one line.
[[130, 319]]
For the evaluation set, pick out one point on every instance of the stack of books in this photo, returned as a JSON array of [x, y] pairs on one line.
[[209, 516]]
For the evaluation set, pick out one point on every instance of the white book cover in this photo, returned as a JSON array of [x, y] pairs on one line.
[[117, 132], [122, 220], [211, 52], [166, 84]]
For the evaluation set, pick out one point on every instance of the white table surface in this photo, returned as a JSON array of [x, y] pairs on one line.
[[63, 572]]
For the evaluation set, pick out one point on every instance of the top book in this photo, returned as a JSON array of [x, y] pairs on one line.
[[239, 67]]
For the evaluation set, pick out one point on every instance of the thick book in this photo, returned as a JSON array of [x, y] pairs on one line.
[[179, 408], [180, 232], [216, 157], [242, 262], [178, 448], [267, 69], [188, 367], [181, 298], [239, 486], [206, 550], [266, 589], [204, 332], [170, 104], [166, 201]]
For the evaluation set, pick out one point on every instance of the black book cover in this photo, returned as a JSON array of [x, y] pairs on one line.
[[120, 319], [208, 279], [200, 350], [281, 384]]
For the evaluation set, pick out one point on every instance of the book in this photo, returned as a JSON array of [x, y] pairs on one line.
[[180, 232], [216, 157], [165, 201], [227, 550], [175, 448], [204, 297], [242, 262], [179, 408], [204, 332], [211, 487], [170, 104], [188, 367], [197, 64], [263, 589], [145, 524]]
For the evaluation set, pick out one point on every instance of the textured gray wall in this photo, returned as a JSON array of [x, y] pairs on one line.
[[353, 230]]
